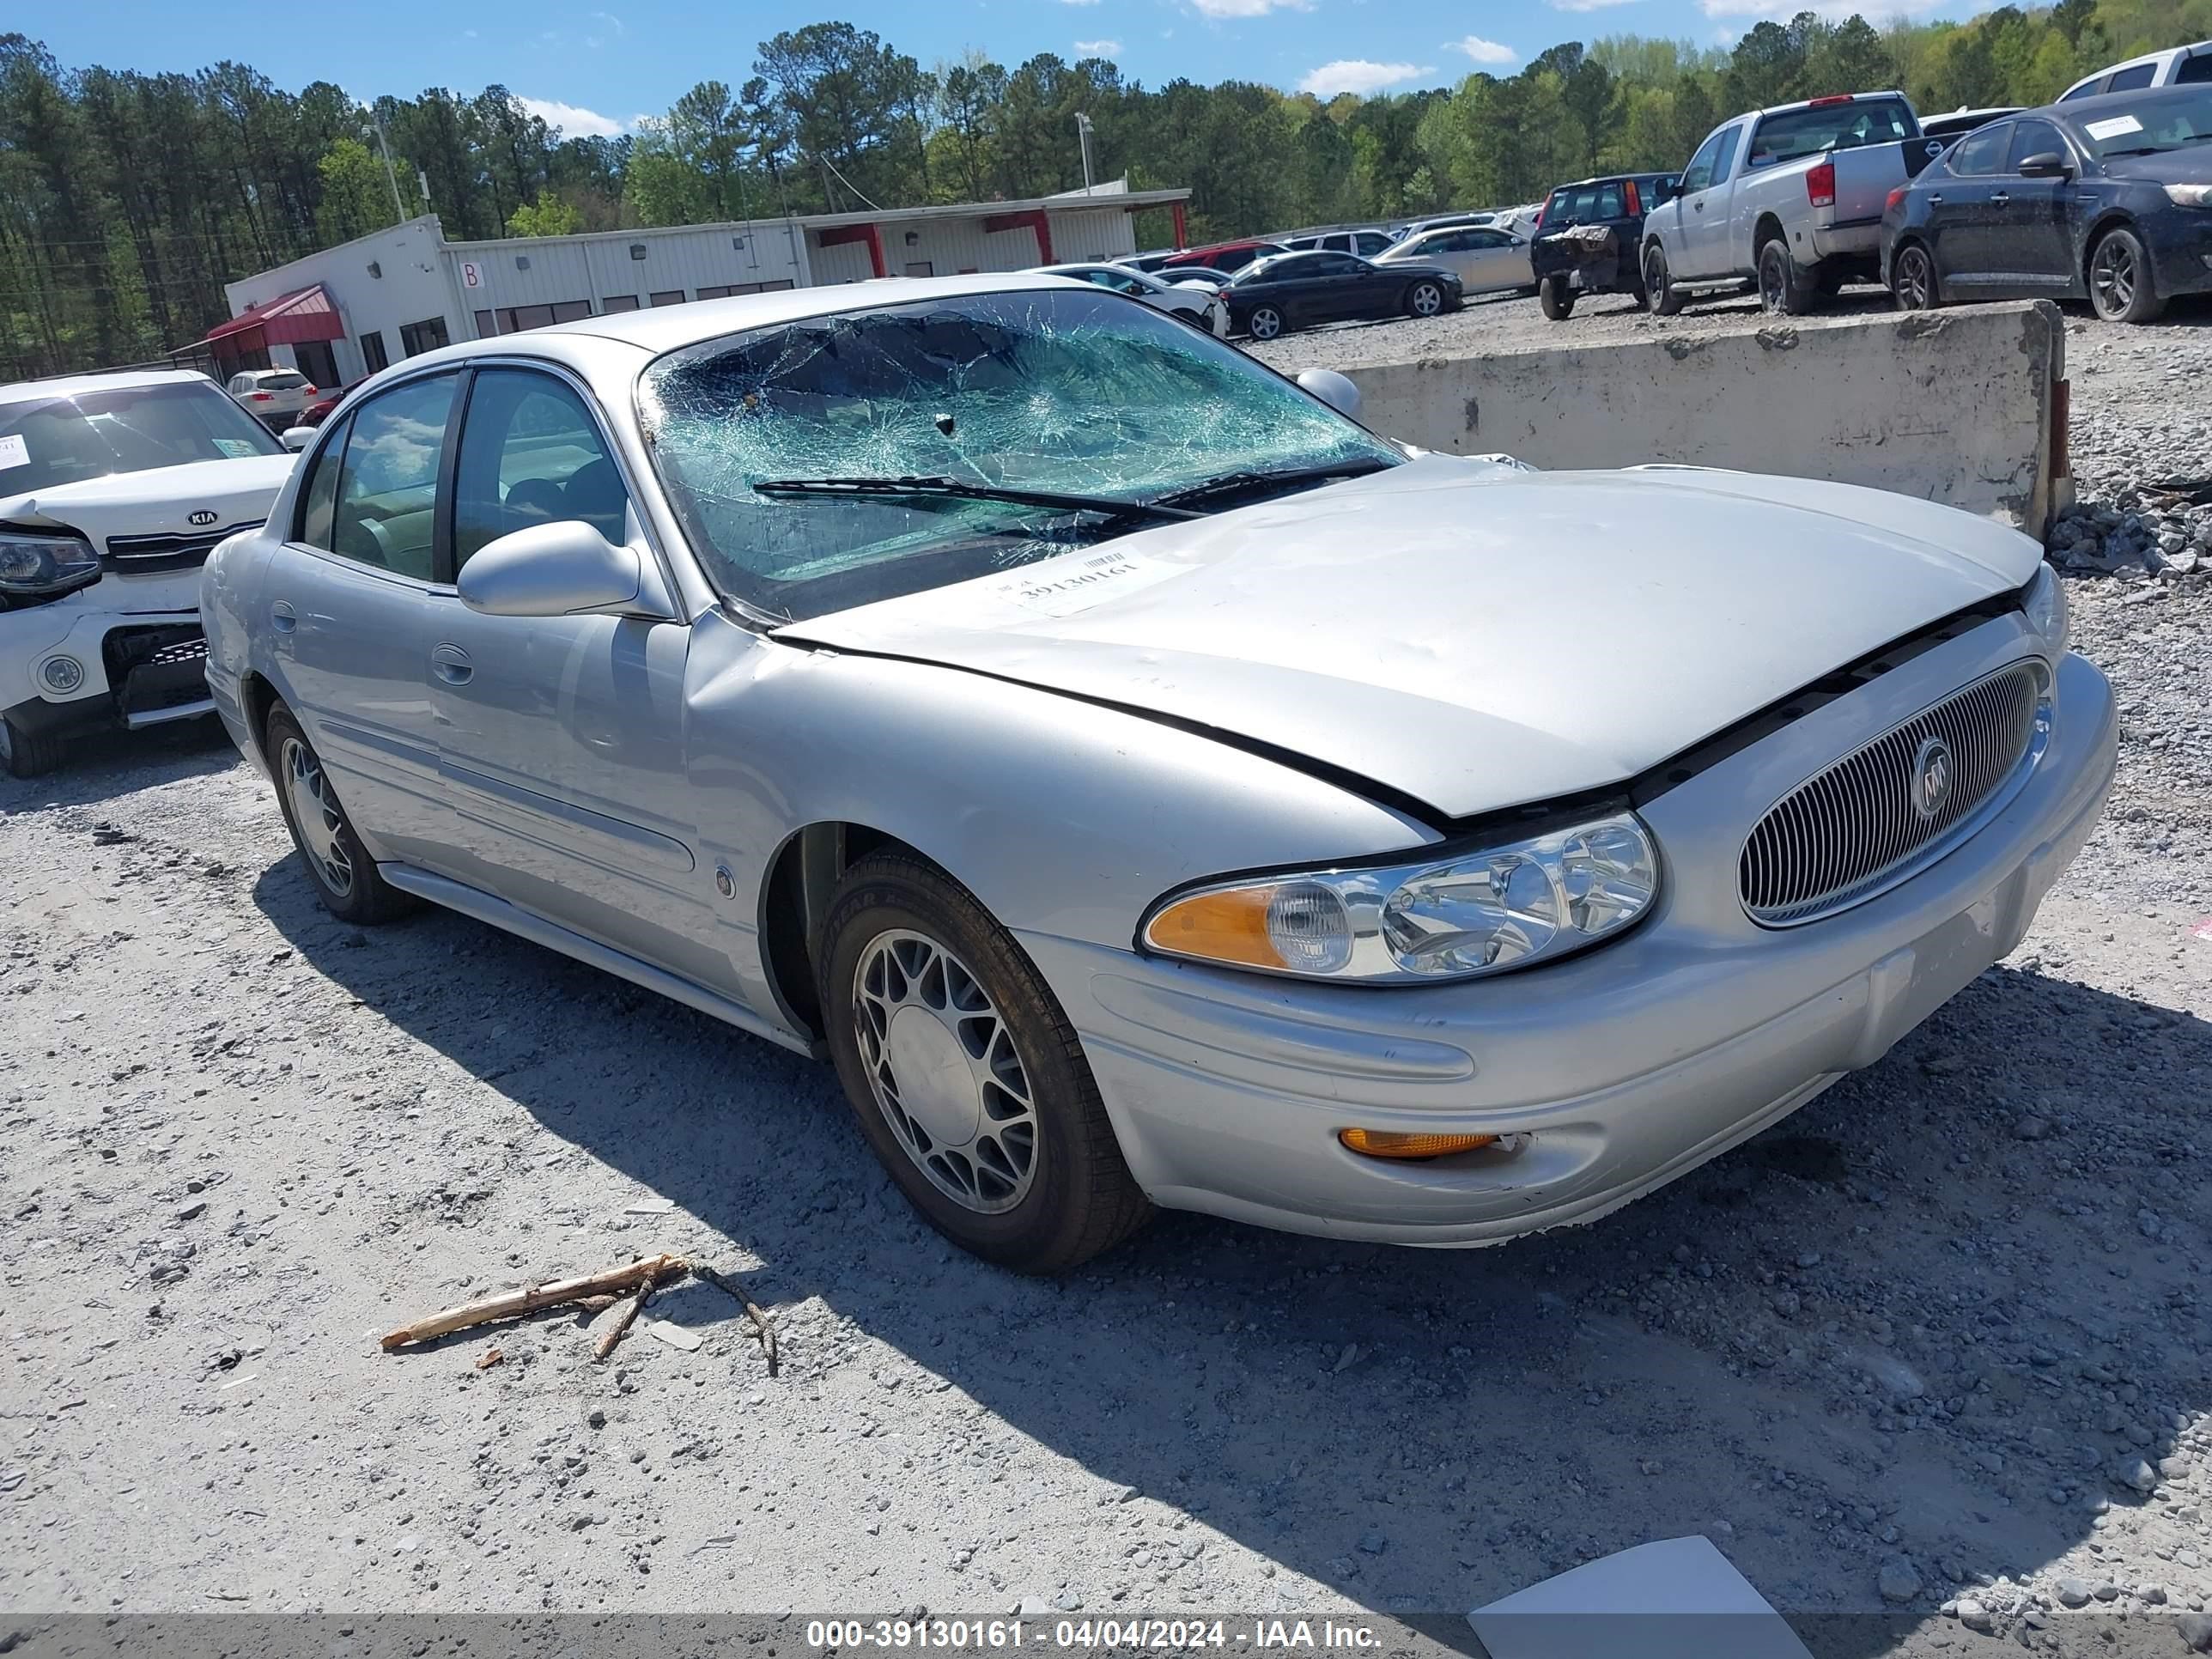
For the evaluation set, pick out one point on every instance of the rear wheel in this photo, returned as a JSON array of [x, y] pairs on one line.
[[27, 754], [1423, 299], [1265, 323], [1912, 279], [1783, 289], [2120, 284], [967, 1080], [345, 877], [1660, 294], [1557, 299]]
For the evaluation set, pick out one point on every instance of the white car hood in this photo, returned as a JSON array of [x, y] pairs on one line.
[[1472, 635], [160, 499]]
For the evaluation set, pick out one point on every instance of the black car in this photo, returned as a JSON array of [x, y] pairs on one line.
[[1292, 290], [2105, 199], [1588, 236]]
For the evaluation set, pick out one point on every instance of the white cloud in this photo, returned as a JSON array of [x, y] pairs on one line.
[[1246, 8], [1099, 48], [1079, 3], [1356, 75], [1486, 52], [1585, 5], [1875, 11], [620, 27], [573, 121]]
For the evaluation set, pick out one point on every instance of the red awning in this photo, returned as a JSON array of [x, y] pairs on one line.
[[306, 314]]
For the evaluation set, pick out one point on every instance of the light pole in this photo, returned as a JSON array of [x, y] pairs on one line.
[[390, 176], [1083, 138]]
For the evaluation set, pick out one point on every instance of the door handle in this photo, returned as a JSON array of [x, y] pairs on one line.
[[2000, 199], [282, 617], [1936, 198], [451, 663]]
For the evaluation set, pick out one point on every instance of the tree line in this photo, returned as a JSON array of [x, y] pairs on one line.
[[128, 199]]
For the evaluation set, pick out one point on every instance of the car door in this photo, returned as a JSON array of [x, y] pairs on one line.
[[1962, 205], [1489, 260], [2030, 237], [1709, 242], [347, 597], [561, 738]]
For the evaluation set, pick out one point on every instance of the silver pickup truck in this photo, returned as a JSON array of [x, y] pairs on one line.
[[1791, 197]]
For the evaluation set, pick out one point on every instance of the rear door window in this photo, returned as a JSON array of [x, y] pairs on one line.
[[385, 510], [319, 501], [2130, 79]]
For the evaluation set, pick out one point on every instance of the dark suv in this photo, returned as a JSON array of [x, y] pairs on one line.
[[1588, 235]]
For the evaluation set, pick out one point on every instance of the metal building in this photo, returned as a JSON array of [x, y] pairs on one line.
[[348, 311]]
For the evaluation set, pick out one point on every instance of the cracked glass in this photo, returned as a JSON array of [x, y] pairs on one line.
[[1074, 392]]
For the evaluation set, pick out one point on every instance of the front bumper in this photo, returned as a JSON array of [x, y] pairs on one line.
[[111, 666], [1628, 1064], [2180, 241]]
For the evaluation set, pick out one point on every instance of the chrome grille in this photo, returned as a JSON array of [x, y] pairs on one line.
[[149, 556], [1854, 829]]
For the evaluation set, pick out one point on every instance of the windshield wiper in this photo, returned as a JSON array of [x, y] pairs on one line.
[[962, 489], [1230, 482]]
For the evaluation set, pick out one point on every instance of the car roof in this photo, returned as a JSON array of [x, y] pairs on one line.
[[2073, 109], [70, 385]]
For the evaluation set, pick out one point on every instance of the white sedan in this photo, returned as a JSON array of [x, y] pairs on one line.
[[1195, 302]]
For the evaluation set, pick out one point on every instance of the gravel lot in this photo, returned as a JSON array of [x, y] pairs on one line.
[[1940, 1343]]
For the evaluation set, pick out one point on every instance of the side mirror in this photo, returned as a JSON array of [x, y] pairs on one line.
[[2046, 164], [1335, 390], [297, 438], [565, 568]]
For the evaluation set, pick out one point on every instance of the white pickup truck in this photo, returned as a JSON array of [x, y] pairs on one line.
[[1791, 197]]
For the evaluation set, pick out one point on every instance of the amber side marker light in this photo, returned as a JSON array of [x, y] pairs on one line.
[[1385, 1143]]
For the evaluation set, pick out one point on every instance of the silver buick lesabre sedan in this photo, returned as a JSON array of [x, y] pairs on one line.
[[1148, 786]]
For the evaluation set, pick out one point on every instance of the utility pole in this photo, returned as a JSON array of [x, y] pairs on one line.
[[1083, 138], [391, 177]]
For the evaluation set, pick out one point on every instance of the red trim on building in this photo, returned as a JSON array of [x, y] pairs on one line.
[[306, 314], [1181, 230], [1033, 220], [871, 235]]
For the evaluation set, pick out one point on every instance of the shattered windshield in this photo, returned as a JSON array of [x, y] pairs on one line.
[[1063, 392]]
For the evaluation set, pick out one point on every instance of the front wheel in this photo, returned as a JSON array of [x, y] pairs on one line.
[[1557, 299], [27, 754], [345, 877], [1265, 323], [1660, 296], [1424, 300], [969, 1082], [2120, 284], [1782, 286], [1912, 278]]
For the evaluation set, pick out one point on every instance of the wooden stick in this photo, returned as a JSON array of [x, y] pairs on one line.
[[624, 1317], [762, 1327], [511, 1304]]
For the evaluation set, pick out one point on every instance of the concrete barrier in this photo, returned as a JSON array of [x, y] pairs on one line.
[[1952, 406]]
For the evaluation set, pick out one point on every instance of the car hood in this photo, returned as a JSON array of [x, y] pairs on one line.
[[2189, 165], [159, 499], [1470, 634]]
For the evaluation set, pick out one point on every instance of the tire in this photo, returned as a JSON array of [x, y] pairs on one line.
[[915, 975], [1912, 280], [1783, 288], [1425, 299], [27, 754], [1661, 297], [344, 876], [1557, 299], [2122, 287], [1265, 323]]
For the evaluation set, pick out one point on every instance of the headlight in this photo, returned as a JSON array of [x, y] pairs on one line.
[[1477, 912], [2045, 605], [2189, 195], [45, 565]]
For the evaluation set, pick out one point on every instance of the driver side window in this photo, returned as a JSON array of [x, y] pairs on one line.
[[530, 453], [1699, 173], [1981, 151]]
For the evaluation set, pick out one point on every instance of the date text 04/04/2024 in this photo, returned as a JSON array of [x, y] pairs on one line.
[[1088, 1634]]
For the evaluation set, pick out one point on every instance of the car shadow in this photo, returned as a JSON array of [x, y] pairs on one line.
[[103, 766], [1940, 1314]]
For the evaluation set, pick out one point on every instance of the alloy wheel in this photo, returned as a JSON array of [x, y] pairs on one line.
[[7, 743], [1915, 280], [315, 811], [944, 1073], [1428, 300], [1267, 323], [1773, 283], [2112, 277]]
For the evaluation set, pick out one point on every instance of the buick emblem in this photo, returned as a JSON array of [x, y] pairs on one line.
[[203, 517], [1931, 777]]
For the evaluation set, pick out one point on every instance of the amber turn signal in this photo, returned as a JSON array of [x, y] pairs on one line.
[[1385, 1143]]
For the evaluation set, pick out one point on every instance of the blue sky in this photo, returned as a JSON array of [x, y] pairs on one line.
[[598, 65]]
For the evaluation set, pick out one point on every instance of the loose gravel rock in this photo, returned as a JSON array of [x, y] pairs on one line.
[[1899, 1335]]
